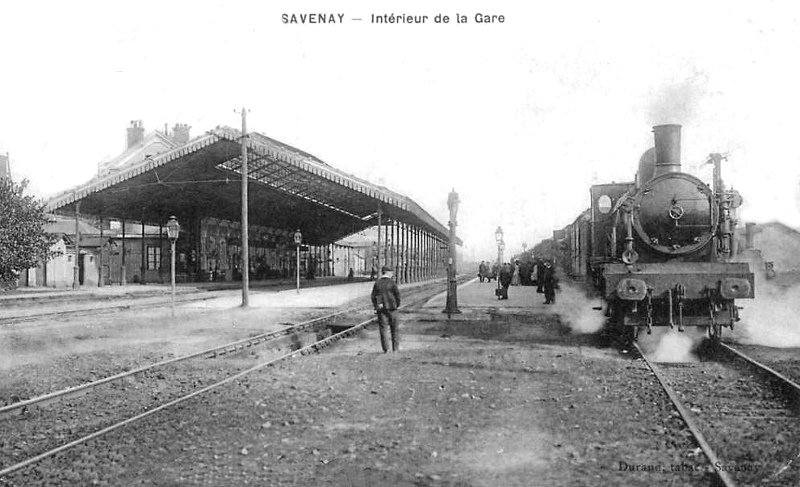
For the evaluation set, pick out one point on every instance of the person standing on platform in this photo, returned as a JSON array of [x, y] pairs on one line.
[[540, 276], [506, 274], [386, 300], [483, 269], [515, 281], [550, 283]]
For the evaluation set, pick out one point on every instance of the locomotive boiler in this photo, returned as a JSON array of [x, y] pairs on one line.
[[660, 249]]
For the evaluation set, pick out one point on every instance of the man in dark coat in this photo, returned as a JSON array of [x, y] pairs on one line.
[[506, 274], [540, 270], [386, 300], [549, 283]]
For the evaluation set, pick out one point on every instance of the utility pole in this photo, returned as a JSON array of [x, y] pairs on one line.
[[245, 236]]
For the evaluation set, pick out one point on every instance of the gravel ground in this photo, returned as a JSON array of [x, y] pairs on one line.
[[783, 360], [745, 419], [513, 401], [37, 358]]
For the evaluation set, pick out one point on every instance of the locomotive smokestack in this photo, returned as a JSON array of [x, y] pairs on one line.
[[668, 148]]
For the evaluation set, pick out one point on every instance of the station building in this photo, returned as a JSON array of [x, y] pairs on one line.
[[346, 222]]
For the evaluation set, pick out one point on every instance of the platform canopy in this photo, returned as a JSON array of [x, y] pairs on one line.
[[288, 189]]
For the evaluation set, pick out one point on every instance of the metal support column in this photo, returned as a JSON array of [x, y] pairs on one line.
[[100, 274], [124, 270], [142, 279], [378, 249], [405, 252], [385, 246], [76, 267]]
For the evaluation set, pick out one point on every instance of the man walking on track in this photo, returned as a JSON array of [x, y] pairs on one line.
[[386, 300]]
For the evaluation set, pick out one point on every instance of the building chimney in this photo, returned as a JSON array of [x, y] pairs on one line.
[[135, 133], [749, 235], [5, 166], [668, 149], [180, 133]]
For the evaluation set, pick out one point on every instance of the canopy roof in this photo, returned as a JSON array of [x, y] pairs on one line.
[[288, 189]]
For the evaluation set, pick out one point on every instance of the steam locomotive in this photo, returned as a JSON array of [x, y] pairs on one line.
[[660, 249]]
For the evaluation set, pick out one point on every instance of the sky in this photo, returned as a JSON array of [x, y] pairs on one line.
[[519, 117]]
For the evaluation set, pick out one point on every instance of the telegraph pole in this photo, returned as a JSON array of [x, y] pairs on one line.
[[245, 236]]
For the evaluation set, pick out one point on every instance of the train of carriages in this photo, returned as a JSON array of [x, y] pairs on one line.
[[660, 249]]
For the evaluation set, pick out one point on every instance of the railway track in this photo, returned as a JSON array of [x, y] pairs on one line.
[[742, 415], [92, 311], [134, 302], [74, 416]]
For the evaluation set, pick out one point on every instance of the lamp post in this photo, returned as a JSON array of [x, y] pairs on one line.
[[498, 236], [173, 229], [451, 306], [298, 239]]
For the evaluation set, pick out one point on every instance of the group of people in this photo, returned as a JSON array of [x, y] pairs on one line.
[[540, 273], [386, 295]]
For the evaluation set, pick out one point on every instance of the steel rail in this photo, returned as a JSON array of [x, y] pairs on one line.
[[231, 347], [98, 311], [302, 351], [774, 373], [314, 347], [711, 456], [19, 407]]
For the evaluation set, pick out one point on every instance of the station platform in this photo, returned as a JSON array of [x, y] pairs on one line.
[[27, 295], [322, 292], [480, 295]]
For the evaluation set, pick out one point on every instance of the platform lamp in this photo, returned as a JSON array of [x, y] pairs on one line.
[[498, 237], [298, 239], [173, 229]]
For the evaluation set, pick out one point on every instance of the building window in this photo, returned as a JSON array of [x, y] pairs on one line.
[[153, 257]]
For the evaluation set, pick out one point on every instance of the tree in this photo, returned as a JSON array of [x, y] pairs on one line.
[[23, 241]]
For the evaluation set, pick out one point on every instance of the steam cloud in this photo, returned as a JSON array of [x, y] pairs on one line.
[[772, 318], [668, 345], [576, 310]]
